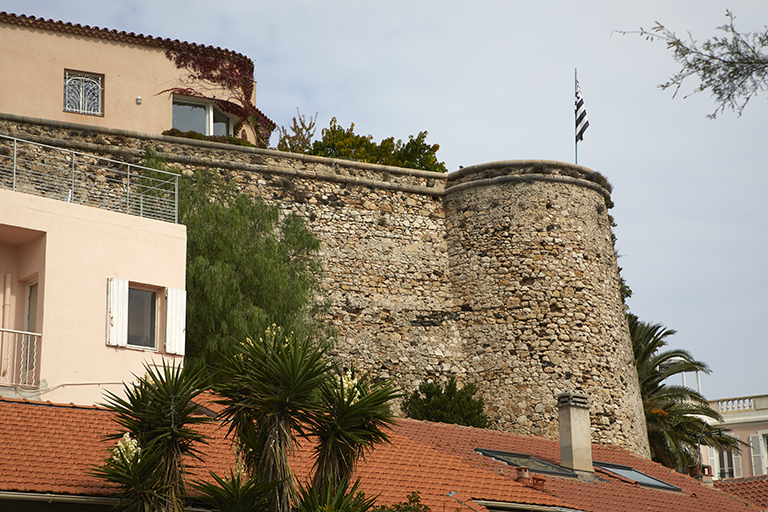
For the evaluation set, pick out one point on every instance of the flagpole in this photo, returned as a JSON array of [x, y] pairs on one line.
[[576, 139]]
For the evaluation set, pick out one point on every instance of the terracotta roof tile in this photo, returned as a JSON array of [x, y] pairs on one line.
[[22, 20], [752, 490], [46, 447]]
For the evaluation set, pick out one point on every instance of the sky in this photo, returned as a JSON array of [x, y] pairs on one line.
[[495, 81]]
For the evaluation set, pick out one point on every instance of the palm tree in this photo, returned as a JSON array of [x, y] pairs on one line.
[[674, 415]]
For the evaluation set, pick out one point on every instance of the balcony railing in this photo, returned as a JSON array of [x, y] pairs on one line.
[[18, 357], [80, 178], [735, 405]]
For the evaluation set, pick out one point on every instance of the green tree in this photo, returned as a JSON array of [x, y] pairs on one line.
[[248, 267], [674, 414], [281, 388], [158, 422], [733, 67], [345, 144], [433, 403]]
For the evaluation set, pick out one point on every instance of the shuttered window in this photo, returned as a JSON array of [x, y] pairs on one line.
[[132, 316]]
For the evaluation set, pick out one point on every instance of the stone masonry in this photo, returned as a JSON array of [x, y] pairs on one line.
[[500, 274]]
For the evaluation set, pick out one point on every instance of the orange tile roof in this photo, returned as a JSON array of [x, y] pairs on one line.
[[76, 29], [752, 490], [49, 448]]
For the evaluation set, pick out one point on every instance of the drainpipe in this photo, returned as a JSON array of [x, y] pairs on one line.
[[6, 322]]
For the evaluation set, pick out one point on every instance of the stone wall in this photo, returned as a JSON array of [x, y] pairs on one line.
[[501, 274]]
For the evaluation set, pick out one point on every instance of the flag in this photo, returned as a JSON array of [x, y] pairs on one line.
[[581, 115]]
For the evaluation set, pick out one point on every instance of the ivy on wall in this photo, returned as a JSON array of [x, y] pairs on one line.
[[226, 69]]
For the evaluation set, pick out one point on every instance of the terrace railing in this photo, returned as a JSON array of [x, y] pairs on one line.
[[80, 178], [735, 405], [18, 357]]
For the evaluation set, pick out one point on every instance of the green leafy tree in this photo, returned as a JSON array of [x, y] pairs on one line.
[[248, 267], [158, 420], [345, 144], [450, 405], [732, 67], [675, 415]]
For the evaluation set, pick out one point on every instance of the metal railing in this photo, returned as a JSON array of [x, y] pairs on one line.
[[80, 178], [18, 357]]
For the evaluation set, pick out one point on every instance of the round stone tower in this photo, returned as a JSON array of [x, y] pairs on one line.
[[534, 270]]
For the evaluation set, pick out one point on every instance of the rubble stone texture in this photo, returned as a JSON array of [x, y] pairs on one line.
[[501, 274]]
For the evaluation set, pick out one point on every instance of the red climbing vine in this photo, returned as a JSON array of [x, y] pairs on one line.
[[228, 69]]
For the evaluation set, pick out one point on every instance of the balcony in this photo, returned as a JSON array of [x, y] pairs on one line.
[[80, 178], [740, 405], [18, 358]]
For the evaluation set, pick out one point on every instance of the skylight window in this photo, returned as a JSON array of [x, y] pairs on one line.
[[632, 474], [522, 459]]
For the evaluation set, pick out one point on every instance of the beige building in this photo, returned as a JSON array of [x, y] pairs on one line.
[[747, 417], [100, 77], [92, 291]]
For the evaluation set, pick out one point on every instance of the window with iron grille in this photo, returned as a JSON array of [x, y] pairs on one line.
[[83, 93]]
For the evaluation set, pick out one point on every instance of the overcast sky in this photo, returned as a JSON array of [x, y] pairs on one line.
[[495, 81]]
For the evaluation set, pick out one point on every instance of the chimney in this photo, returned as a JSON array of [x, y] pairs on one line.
[[575, 433]]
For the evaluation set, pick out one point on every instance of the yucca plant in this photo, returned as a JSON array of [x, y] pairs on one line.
[[269, 390], [158, 415], [353, 421], [238, 493]]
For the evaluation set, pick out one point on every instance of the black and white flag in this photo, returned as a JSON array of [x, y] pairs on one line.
[[581, 115]]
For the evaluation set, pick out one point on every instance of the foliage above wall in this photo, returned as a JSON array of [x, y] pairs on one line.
[[345, 144]]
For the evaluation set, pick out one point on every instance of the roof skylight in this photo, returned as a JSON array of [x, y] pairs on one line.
[[522, 459], [631, 473]]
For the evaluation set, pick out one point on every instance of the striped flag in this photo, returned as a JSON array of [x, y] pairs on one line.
[[581, 115]]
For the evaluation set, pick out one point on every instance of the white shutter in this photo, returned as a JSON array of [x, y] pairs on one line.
[[758, 466], [713, 461], [175, 321], [736, 463], [117, 312]]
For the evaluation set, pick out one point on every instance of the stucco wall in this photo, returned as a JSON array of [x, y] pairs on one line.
[[500, 274], [34, 62], [81, 248]]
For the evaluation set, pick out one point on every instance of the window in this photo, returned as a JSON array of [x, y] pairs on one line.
[[142, 309], [725, 464], [200, 117], [83, 93], [134, 314], [631, 473], [521, 459]]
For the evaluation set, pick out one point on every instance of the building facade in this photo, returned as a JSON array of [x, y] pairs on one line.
[[747, 418], [88, 75]]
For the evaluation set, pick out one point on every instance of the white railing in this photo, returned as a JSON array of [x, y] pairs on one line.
[[57, 173], [735, 405], [18, 357]]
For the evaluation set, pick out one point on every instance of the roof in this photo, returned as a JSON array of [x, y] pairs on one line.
[[49, 448], [752, 490], [76, 29]]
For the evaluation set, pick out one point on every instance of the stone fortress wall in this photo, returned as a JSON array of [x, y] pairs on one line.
[[500, 274]]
